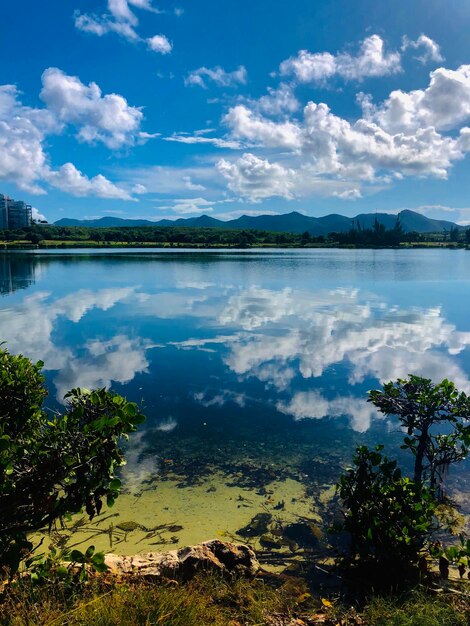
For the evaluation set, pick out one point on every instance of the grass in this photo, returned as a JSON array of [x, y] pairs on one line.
[[207, 600], [213, 601], [418, 610]]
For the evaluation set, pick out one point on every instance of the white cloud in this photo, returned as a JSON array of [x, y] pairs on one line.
[[22, 134], [255, 179], [371, 61], [431, 50], [36, 215], [69, 179], [443, 105], [122, 21], [349, 194], [200, 139], [249, 126], [160, 43], [277, 101], [217, 75], [23, 160], [189, 206], [107, 119], [102, 25], [170, 180], [403, 136], [188, 184]]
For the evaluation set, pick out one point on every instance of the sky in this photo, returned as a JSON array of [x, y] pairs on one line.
[[175, 108]]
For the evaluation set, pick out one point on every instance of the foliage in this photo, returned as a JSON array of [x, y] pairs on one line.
[[387, 515], [51, 568], [424, 410], [54, 464]]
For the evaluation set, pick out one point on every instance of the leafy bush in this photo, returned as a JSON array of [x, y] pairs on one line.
[[54, 464], [387, 516]]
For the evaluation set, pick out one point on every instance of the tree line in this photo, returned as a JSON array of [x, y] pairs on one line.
[[378, 235]]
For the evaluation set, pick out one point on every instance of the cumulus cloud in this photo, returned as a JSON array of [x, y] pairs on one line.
[[217, 75], [23, 159], [443, 105], [220, 398], [255, 179], [371, 61], [22, 134], [69, 179], [431, 51], [108, 119], [418, 133], [277, 101], [292, 340], [160, 43], [247, 125], [122, 21]]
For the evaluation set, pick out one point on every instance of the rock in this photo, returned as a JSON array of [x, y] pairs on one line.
[[219, 556]]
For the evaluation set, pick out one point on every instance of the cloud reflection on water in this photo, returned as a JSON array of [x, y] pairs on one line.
[[311, 350]]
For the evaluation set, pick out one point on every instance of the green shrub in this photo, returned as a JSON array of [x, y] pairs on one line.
[[387, 517], [54, 464]]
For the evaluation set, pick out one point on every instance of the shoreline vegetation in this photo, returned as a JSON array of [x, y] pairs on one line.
[[51, 237]]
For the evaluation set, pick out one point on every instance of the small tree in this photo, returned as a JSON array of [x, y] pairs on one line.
[[54, 464], [425, 409]]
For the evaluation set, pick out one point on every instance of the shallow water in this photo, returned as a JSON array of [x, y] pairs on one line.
[[252, 368]]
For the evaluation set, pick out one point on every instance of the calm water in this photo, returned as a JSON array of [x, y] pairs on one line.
[[251, 367]]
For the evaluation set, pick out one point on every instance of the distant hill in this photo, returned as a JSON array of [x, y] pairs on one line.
[[288, 222]]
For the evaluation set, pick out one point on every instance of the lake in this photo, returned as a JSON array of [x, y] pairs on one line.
[[251, 366]]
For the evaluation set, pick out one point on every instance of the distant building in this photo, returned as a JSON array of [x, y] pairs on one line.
[[3, 212], [14, 214]]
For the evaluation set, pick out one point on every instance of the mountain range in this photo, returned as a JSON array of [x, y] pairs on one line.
[[293, 222]]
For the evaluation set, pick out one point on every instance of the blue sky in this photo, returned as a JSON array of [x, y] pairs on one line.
[[147, 108]]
